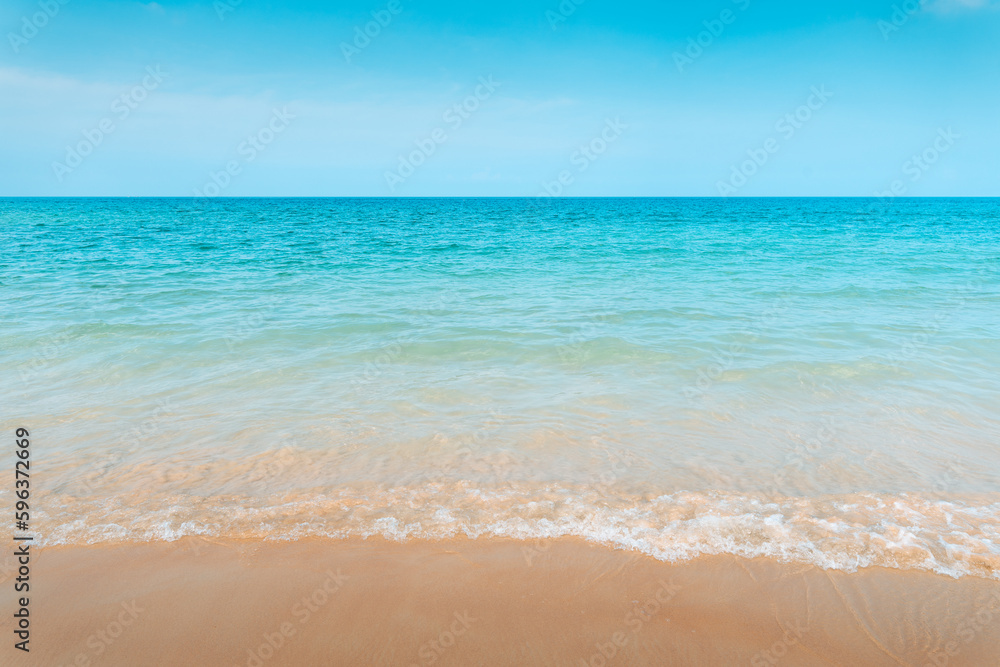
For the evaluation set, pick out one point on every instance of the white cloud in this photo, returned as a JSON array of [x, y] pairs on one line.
[[952, 6]]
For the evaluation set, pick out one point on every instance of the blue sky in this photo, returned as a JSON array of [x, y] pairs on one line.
[[254, 98]]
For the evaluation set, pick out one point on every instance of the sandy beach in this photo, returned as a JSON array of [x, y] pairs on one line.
[[486, 602]]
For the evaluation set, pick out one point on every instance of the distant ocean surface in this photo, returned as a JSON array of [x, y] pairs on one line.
[[812, 380]]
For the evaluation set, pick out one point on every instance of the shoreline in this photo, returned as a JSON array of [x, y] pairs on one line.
[[485, 602], [953, 535]]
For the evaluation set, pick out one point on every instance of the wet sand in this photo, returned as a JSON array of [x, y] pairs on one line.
[[483, 602]]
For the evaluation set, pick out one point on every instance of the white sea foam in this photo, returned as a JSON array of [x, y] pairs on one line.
[[955, 536]]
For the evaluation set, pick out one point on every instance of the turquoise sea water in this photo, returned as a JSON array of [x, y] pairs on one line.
[[809, 379]]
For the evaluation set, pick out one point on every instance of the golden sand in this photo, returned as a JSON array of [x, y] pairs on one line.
[[483, 602]]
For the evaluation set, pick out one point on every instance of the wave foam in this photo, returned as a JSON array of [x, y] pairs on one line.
[[954, 536]]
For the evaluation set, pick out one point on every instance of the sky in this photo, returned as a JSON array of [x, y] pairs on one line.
[[571, 98]]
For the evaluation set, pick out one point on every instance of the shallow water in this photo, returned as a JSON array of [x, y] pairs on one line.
[[811, 379]]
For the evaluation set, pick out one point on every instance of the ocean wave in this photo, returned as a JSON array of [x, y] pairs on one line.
[[955, 536]]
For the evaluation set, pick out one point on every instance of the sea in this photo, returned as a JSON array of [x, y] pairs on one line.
[[815, 381]]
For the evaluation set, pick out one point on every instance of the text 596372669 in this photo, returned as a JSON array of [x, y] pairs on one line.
[[22, 518]]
